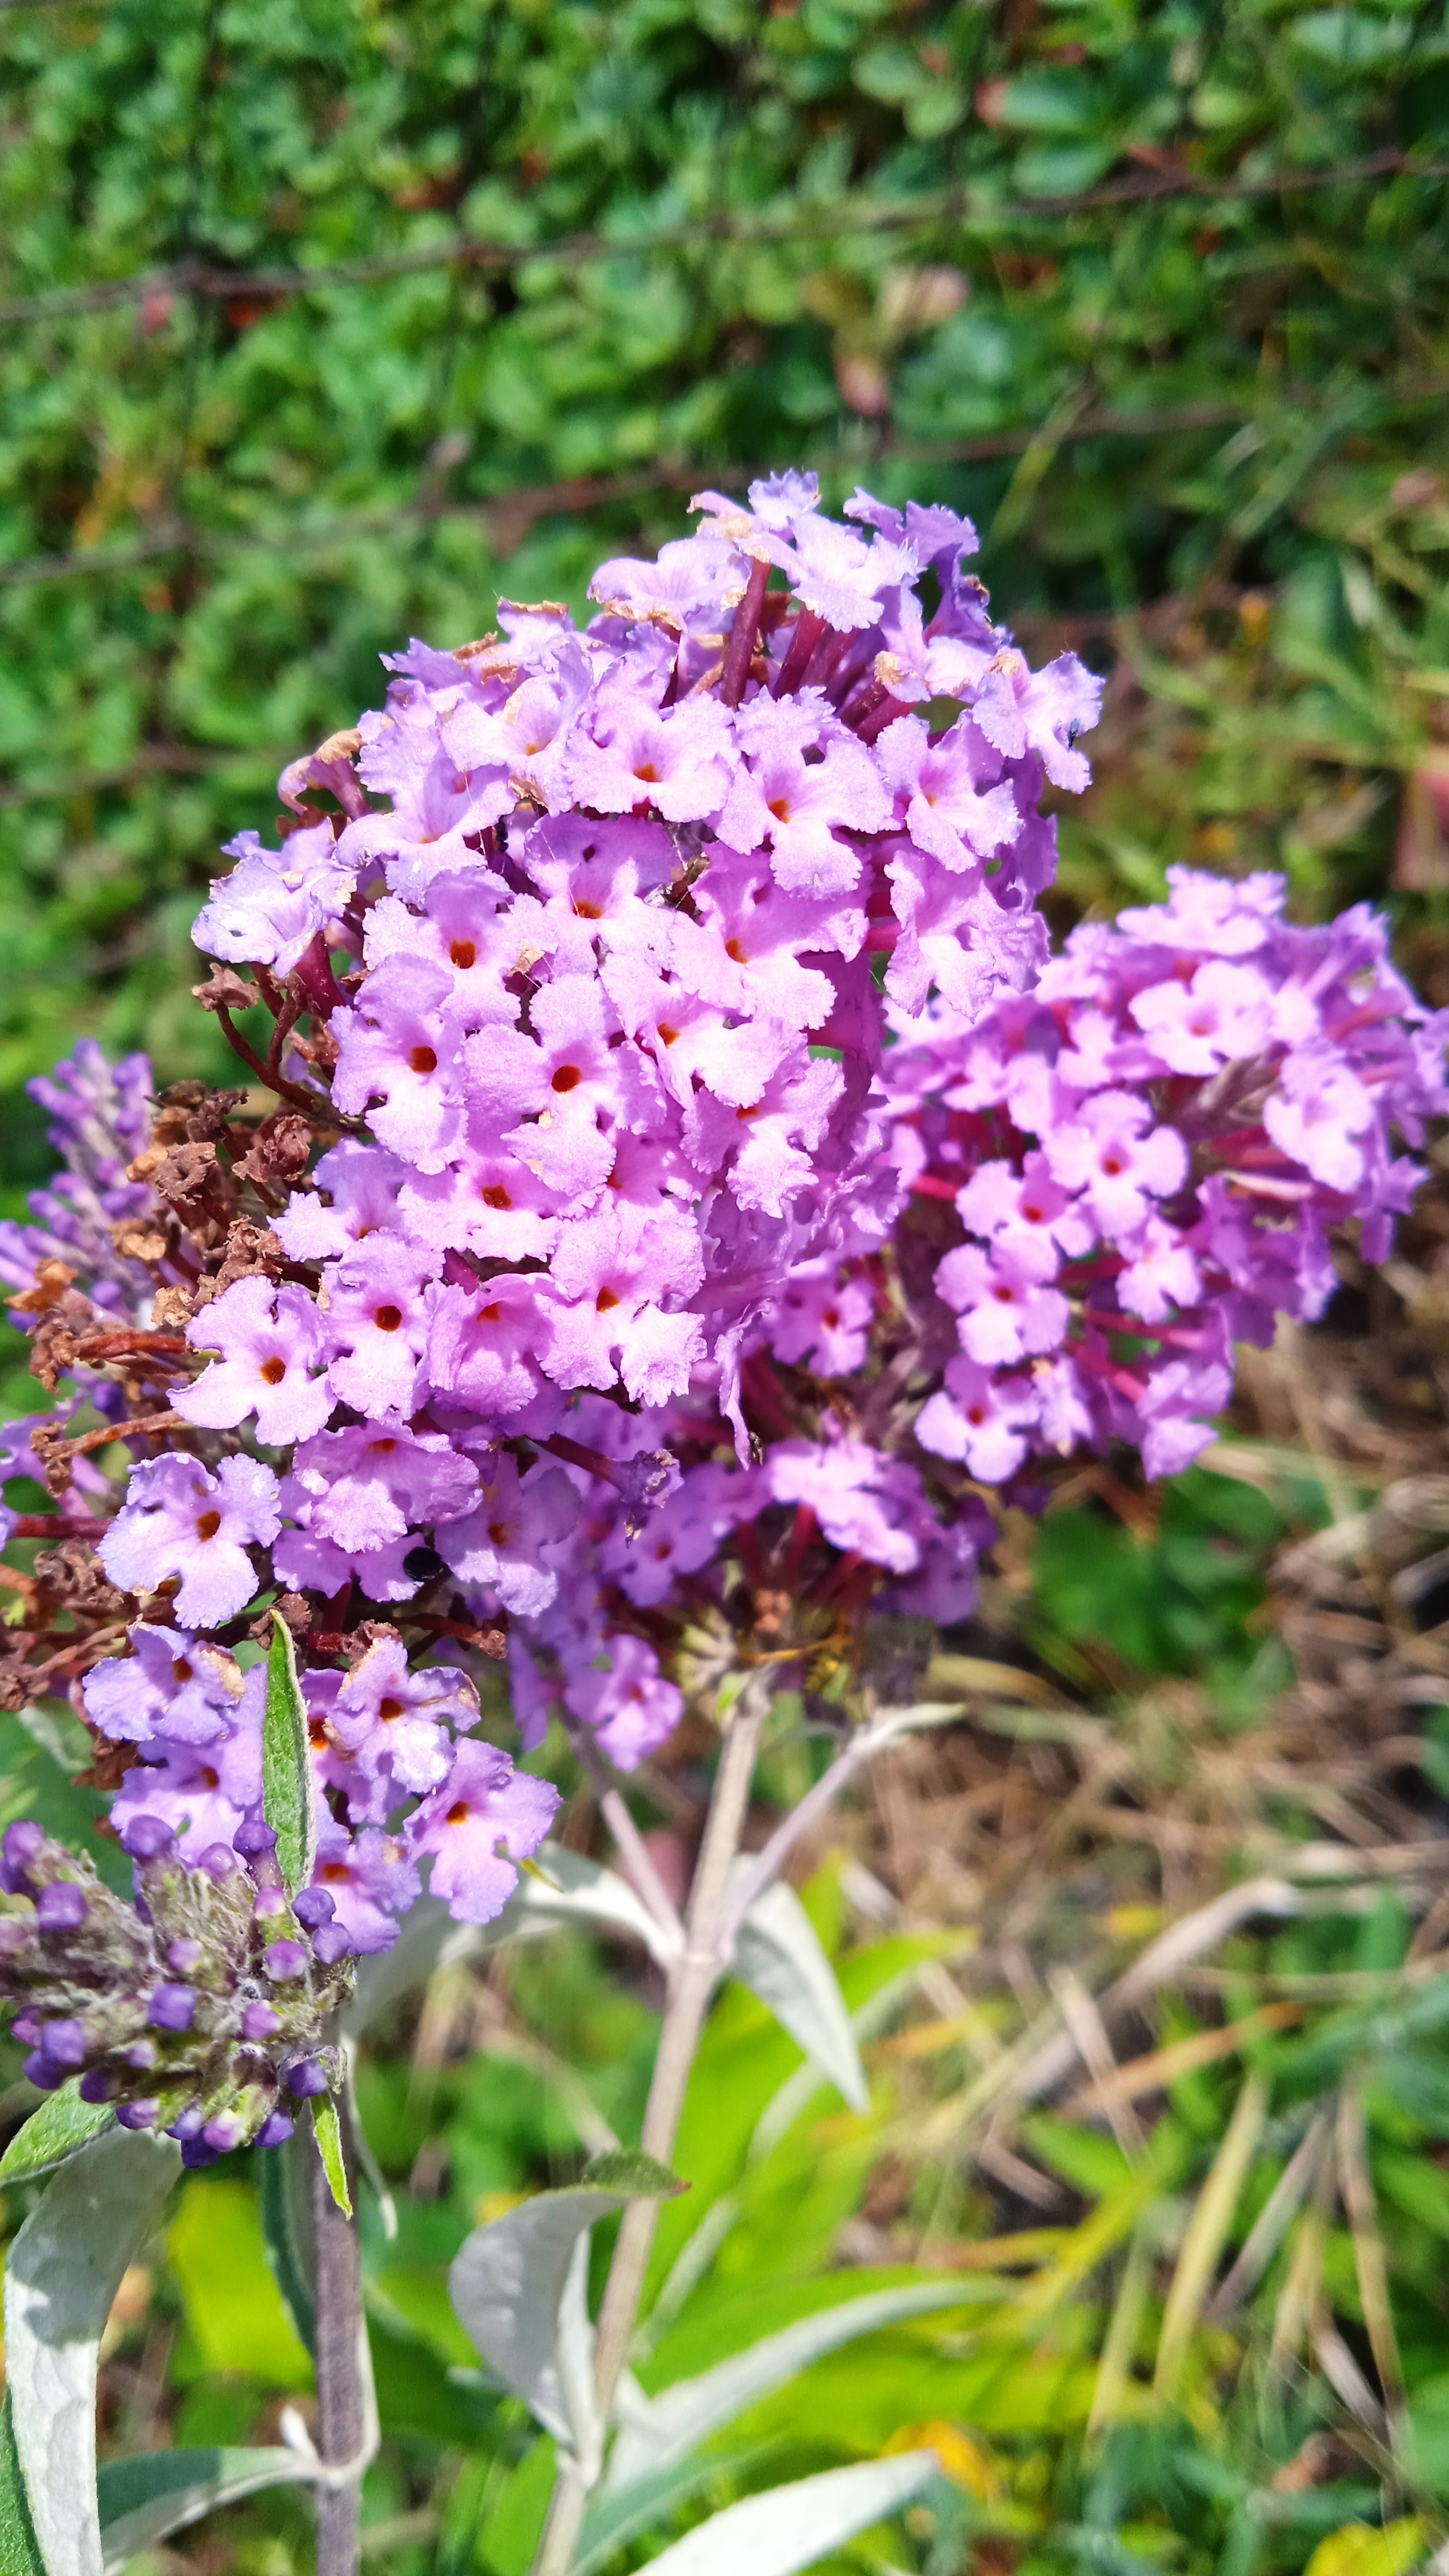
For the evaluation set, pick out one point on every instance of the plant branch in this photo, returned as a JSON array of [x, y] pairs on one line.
[[341, 2405], [691, 1984], [629, 1843]]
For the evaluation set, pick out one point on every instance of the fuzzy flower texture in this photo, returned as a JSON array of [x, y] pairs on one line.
[[697, 1189]]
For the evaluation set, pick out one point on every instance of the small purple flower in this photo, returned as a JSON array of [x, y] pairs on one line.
[[485, 1817], [285, 1960], [180, 1520], [266, 1339], [170, 1685], [306, 2079]]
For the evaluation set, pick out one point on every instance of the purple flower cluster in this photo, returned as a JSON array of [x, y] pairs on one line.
[[390, 1746], [719, 1185], [1148, 1157]]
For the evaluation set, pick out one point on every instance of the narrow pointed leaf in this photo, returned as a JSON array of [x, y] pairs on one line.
[[779, 1957], [328, 2131], [619, 2515], [19, 2548], [283, 2196], [144, 2499], [789, 2528], [509, 2286], [64, 2271], [289, 1800], [668, 2427], [62, 2124]]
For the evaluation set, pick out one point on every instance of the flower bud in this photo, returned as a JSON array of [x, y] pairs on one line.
[[61, 1907], [218, 1862], [26, 2028], [284, 1960], [254, 1838], [171, 2007], [259, 2021], [269, 1902], [147, 1838], [142, 2055], [305, 2078], [63, 2042], [275, 2130], [183, 1956], [314, 1905], [223, 2133], [22, 1842], [330, 1944], [195, 2154], [98, 2084], [139, 2115]]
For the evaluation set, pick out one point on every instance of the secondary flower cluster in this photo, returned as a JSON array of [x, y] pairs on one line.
[[202, 2009], [1148, 1156]]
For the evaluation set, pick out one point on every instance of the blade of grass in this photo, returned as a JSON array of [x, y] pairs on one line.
[[1272, 2225], [1370, 2260], [1083, 2020], [1125, 2325], [1182, 2057], [1298, 2298], [1206, 2230]]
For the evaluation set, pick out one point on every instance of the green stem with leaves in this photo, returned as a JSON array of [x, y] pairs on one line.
[[692, 1982]]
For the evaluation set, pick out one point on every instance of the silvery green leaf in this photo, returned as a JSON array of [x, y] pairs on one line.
[[517, 2289], [788, 2528], [779, 1957], [614, 2519], [289, 1797], [144, 2499], [62, 2124], [64, 2271], [19, 2548], [665, 2428]]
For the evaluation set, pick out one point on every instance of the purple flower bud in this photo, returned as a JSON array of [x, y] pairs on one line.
[[195, 2153], [285, 1959], [43, 2073], [305, 2078], [260, 2022], [61, 1907], [269, 1902], [183, 1956], [275, 2130], [330, 1943], [147, 1837], [64, 2043], [188, 2123], [314, 1905], [15, 1935], [253, 1839], [139, 2115], [217, 1860], [171, 2007], [142, 2054], [22, 1842], [223, 2132], [26, 2028], [98, 2084]]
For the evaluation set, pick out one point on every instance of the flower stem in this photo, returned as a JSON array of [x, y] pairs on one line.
[[690, 1987], [341, 2409]]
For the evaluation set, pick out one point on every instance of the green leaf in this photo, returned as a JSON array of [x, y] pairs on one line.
[[64, 2271], [62, 2124], [666, 2428], [779, 1957], [518, 2287], [633, 2175], [144, 2499], [19, 2548], [289, 1800], [788, 2528], [327, 2129], [286, 2216], [218, 2258]]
